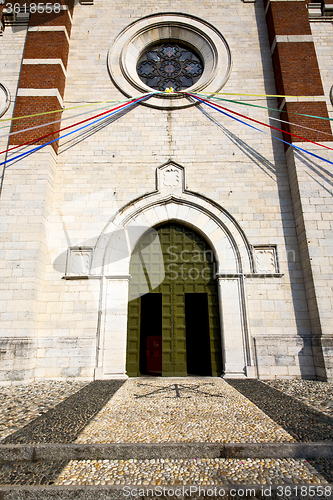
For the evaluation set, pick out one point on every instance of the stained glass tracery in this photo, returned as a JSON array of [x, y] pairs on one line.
[[169, 65]]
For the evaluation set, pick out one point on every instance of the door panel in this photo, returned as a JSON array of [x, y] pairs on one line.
[[133, 338], [154, 355], [189, 269], [151, 333]]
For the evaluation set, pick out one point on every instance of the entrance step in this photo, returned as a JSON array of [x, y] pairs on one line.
[[166, 432], [174, 451], [170, 492], [198, 478]]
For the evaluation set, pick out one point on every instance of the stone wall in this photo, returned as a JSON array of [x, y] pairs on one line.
[[64, 201], [233, 165], [292, 357], [17, 359]]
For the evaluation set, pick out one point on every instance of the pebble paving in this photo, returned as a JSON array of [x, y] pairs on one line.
[[189, 472], [64, 422], [167, 410], [181, 410], [300, 419], [318, 395], [20, 404], [28, 473]]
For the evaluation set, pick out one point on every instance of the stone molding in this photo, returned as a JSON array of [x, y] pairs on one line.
[[141, 34], [320, 12], [46, 61], [291, 39], [171, 201], [265, 259], [79, 261], [41, 93], [4, 99], [40, 29], [42, 79], [293, 99]]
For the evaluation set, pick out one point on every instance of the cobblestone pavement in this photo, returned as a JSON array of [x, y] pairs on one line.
[[318, 395], [20, 404], [26, 473], [181, 410], [64, 422], [302, 421], [193, 471], [167, 410]]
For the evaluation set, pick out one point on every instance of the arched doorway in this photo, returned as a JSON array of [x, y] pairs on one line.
[[173, 314]]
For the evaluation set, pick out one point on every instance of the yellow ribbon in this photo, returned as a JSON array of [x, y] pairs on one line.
[[259, 95], [67, 109]]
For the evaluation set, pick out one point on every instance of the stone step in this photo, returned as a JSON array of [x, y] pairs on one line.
[[125, 451], [170, 492]]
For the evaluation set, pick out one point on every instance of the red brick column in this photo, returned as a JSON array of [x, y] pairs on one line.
[[43, 73], [296, 68], [297, 73], [2, 24]]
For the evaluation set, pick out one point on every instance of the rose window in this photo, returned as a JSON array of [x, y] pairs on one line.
[[169, 65]]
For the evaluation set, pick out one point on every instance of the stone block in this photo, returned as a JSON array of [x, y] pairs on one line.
[[71, 372], [283, 360]]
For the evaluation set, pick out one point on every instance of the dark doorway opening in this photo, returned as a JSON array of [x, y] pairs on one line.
[[197, 334], [151, 334]]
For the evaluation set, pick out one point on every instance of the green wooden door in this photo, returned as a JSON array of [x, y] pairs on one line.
[[189, 267]]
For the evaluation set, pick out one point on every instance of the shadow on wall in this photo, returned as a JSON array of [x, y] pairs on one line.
[[292, 357]]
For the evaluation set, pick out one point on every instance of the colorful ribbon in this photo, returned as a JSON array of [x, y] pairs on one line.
[[264, 124], [70, 126], [255, 128], [74, 131]]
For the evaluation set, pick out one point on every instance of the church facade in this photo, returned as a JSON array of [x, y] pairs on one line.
[[166, 190]]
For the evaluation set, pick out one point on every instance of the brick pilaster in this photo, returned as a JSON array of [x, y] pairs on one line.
[[43, 73], [296, 69], [297, 73], [27, 194], [2, 24]]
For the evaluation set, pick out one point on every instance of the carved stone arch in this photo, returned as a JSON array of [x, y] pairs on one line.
[[172, 202]]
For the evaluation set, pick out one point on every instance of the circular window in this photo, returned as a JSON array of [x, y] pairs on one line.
[[170, 65], [169, 50]]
